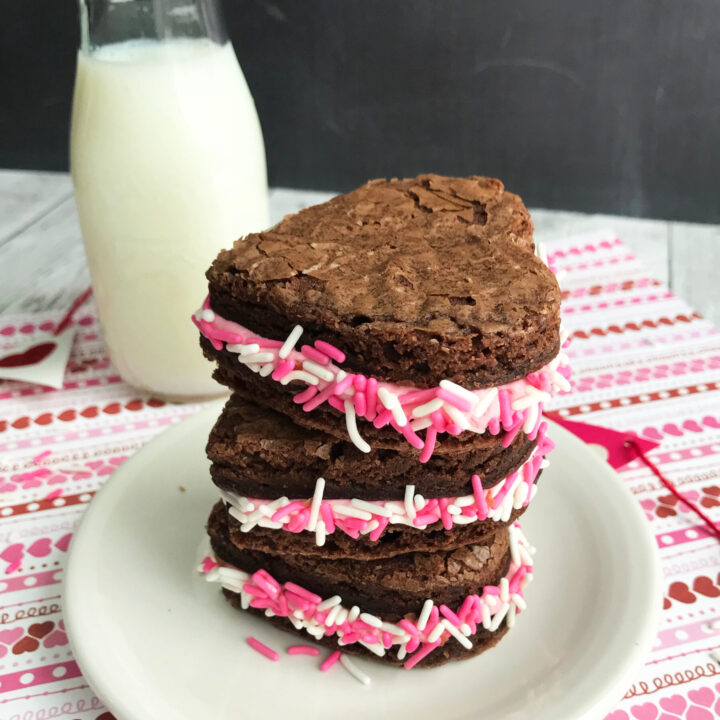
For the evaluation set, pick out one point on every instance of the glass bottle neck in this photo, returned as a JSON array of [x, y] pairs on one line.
[[103, 22]]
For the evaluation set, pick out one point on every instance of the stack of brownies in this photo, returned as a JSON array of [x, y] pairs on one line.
[[389, 354]]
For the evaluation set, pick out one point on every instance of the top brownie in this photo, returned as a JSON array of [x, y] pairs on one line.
[[415, 280]]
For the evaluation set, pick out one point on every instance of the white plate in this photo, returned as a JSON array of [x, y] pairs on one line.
[[156, 641]]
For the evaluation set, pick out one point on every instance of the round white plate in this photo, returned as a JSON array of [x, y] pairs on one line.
[[154, 640]]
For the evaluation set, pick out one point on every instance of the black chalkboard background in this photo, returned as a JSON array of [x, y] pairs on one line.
[[602, 105]]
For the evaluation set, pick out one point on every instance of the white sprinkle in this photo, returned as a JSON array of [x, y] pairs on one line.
[[421, 424], [544, 464], [457, 635], [289, 344], [392, 403], [255, 367], [465, 501], [332, 616], [351, 511], [419, 502], [330, 602], [532, 397], [526, 581], [715, 624], [395, 507], [499, 617], [464, 519], [271, 524], [240, 516], [485, 402], [375, 648], [531, 418], [250, 349], [402, 652], [315, 504], [514, 550], [269, 613], [371, 620], [519, 601], [437, 631], [320, 532], [427, 408], [486, 619], [248, 526], [300, 375], [373, 508], [409, 507], [465, 629], [372, 525], [457, 416], [424, 615], [510, 621], [351, 424], [354, 613], [354, 670], [459, 390], [525, 555], [244, 601], [560, 382], [318, 370], [208, 315], [453, 510], [342, 616], [266, 370], [393, 629]]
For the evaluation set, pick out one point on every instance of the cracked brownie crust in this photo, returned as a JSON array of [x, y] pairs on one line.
[[415, 280]]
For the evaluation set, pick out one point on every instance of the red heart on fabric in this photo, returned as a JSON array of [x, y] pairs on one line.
[[64, 542], [681, 592], [712, 490], [134, 405], [663, 511], [112, 408], [668, 499], [646, 711], [89, 412], [666, 604], [705, 586], [21, 423], [709, 502], [674, 704], [44, 419], [702, 696], [31, 356], [40, 548], [27, 644], [67, 415], [40, 630]]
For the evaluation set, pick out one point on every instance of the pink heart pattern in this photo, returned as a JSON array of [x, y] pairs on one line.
[[40, 548], [674, 704], [646, 711]]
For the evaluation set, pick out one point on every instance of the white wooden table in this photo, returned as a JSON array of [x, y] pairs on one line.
[[42, 261]]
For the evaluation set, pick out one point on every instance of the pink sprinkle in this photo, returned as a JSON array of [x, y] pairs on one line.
[[315, 355], [302, 650], [335, 402], [44, 454], [438, 421], [429, 446], [330, 661], [286, 510], [360, 403], [433, 619], [320, 398], [465, 609], [344, 384], [545, 382], [412, 437], [331, 350], [533, 379], [494, 426], [208, 564], [305, 395], [408, 627], [327, 516], [517, 578], [371, 395], [354, 523], [206, 304], [453, 428], [299, 522], [360, 382], [533, 433], [417, 396], [266, 343], [444, 514], [266, 581], [207, 330], [461, 403], [412, 644], [426, 649], [425, 519], [480, 502], [387, 640], [228, 337], [350, 638], [383, 418], [262, 649], [505, 408], [254, 590], [500, 496], [283, 369], [297, 602], [303, 593], [54, 494], [262, 603], [491, 590], [450, 615], [378, 531], [511, 432], [369, 638]]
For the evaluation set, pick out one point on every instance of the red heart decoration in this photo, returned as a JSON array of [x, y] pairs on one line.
[[44, 419], [663, 511], [90, 412], [681, 592], [40, 630], [32, 356], [21, 423], [112, 408], [666, 604], [668, 500], [709, 502], [67, 415], [615, 329], [64, 542], [134, 405], [632, 326], [713, 490], [27, 644], [705, 586]]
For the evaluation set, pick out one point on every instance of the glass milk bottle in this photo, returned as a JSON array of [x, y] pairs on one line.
[[168, 166]]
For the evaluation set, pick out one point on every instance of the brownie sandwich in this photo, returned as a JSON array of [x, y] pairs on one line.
[[389, 353]]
